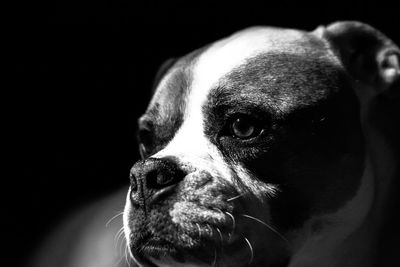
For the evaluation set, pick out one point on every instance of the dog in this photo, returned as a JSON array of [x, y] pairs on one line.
[[272, 147]]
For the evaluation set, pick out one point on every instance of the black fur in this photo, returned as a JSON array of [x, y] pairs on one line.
[[310, 146], [312, 149]]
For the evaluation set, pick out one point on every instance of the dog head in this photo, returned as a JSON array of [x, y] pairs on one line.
[[253, 149]]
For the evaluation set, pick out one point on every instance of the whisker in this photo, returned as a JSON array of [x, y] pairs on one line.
[[215, 257], [113, 218], [219, 210], [209, 228], [145, 244], [220, 235], [126, 256], [266, 225], [233, 198], [117, 238], [118, 245], [120, 248], [128, 259], [119, 261], [233, 224], [132, 257], [118, 234], [221, 240], [251, 249], [119, 242], [198, 227], [233, 219]]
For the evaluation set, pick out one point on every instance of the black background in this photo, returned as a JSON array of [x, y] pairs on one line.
[[81, 73]]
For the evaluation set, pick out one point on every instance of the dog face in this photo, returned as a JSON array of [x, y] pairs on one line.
[[252, 151]]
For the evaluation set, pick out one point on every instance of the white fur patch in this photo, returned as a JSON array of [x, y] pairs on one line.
[[262, 190], [190, 144]]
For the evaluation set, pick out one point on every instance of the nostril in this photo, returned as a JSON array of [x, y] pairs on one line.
[[157, 179], [152, 179], [162, 177]]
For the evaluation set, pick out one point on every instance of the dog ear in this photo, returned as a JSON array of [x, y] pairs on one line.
[[370, 57], [165, 66]]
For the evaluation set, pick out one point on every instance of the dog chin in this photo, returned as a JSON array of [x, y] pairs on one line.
[[231, 258], [159, 253], [170, 262]]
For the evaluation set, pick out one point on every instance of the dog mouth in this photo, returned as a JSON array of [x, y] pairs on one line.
[[234, 239], [206, 228], [150, 250], [202, 235], [156, 248], [230, 242]]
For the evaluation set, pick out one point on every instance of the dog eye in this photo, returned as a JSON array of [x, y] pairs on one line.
[[244, 127]]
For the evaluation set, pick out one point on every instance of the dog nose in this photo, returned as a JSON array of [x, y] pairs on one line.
[[152, 179]]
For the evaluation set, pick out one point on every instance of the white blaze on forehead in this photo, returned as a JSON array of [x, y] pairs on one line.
[[227, 54], [190, 144]]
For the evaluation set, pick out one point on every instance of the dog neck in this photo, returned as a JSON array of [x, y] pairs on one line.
[[325, 248], [358, 244], [378, 121]]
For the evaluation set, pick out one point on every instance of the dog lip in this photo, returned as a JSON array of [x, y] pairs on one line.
[[150, 247], [155, 248]]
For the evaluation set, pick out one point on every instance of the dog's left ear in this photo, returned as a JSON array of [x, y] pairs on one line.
[[370, 57]]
